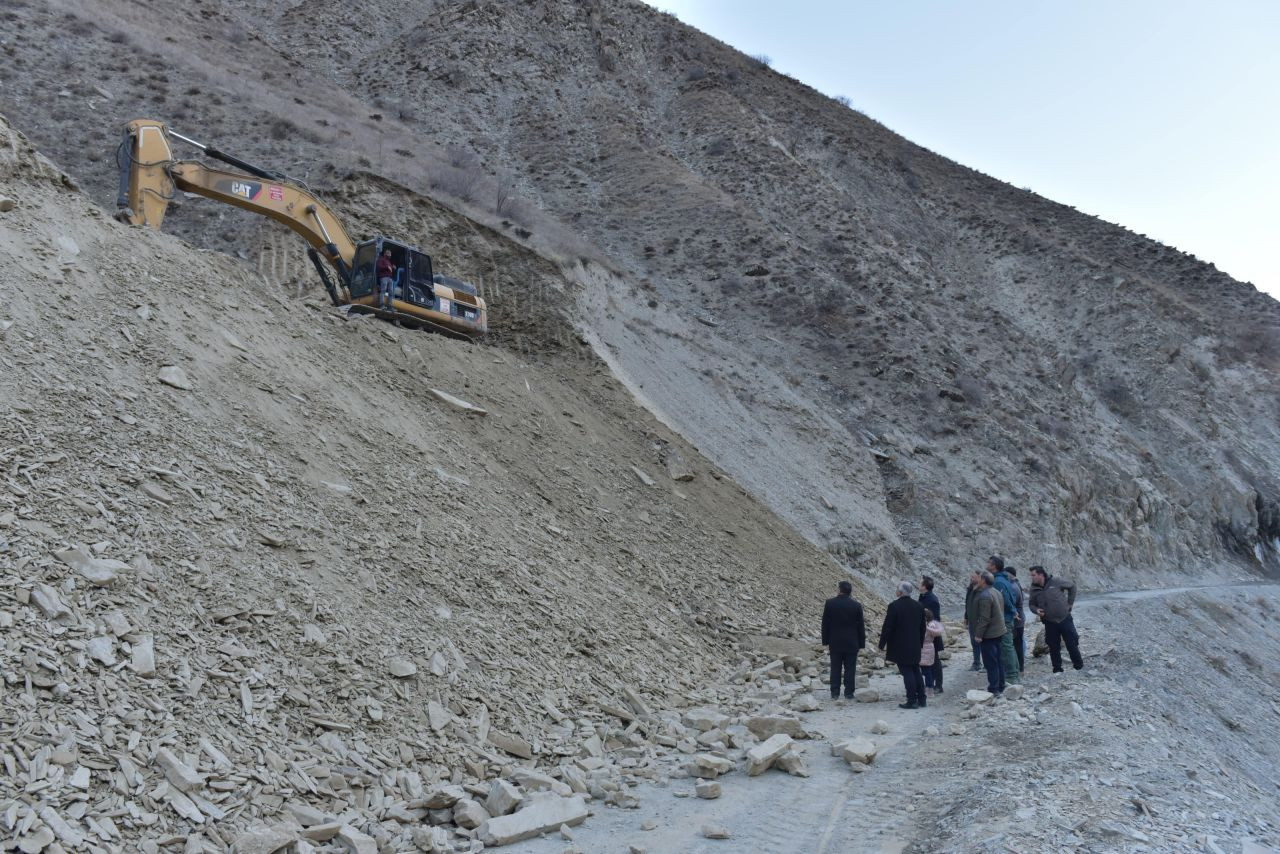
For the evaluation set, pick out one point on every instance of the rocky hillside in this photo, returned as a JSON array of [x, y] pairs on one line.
[[261, 560], [915, 364]]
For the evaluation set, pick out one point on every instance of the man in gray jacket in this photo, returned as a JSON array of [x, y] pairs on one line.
[[1053, 597], [986, 619]]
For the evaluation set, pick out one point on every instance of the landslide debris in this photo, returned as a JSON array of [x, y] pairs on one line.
[[259, 585]]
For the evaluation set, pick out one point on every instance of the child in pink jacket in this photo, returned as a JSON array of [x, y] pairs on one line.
[[932, 629]]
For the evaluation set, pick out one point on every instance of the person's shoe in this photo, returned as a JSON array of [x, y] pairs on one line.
[[937, 690], [975, 668], [907, 706], [848, 697], [922, 704], [1057, 670]]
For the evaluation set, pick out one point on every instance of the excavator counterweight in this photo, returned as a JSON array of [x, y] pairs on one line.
[[150, 178]]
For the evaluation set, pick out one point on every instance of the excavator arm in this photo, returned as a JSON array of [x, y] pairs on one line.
[[150, 178]]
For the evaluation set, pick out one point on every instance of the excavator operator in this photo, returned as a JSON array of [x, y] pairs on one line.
[[386, 280]]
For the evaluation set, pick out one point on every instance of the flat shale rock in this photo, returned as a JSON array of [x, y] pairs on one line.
[[544, 813], [175, 377]]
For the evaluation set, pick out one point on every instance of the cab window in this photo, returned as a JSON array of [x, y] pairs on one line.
[[420, 266], [362, 270]]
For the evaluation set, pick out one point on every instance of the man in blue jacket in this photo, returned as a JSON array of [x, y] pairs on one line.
[[1004, 585]]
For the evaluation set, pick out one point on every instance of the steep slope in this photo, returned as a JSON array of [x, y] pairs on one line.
[[330, 566], [914, 363]]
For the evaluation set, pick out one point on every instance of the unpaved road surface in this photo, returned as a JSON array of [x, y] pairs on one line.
[[832, 810], [1125, 755]]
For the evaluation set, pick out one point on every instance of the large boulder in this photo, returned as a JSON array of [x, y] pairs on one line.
[[765, 726], [705, 719], [709, 766], [503, 798], [543, 813], [761, 757], [857, 750]]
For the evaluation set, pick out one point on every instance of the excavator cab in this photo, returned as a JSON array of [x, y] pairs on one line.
[[417, 288]]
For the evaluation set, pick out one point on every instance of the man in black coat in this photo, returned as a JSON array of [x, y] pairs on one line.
[[902, 639], [843, 633]]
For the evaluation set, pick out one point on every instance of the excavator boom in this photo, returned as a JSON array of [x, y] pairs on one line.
[[150, 179]]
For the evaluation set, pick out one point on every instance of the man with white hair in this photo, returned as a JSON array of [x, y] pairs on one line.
[[902, 638]]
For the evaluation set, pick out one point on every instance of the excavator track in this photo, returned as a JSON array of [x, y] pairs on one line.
[[401, 318]]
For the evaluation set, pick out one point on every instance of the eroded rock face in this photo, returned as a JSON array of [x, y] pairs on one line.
[[976, 358]]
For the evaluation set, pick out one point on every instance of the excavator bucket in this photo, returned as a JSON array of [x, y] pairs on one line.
[[145, 186]]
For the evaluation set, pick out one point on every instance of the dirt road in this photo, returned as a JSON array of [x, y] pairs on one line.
[[832, 810], [972, 784]]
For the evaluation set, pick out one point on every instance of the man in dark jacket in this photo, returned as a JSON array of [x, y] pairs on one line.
[[1052, 598], [843, 633], [902, 638], [986, 619], [969, 593], [1019, 618], [929, 601]]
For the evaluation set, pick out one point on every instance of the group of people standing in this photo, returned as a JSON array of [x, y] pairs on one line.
[[912, 635]]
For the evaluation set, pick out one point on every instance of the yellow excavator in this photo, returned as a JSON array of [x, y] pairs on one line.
[[150, 178]]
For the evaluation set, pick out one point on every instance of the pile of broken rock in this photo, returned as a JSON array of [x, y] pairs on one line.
[[124, 780]]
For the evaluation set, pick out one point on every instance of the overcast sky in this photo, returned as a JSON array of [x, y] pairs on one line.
[[1161, 116]]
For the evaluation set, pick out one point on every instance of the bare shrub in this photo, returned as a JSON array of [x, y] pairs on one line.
[[1257, 341], [1053, 426], [461, 157], [1117, 396], [695, 74], [973, 389], [763, 59], [842, 100], [505, 202], [459, 182], [718, 147], [281, 129]]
